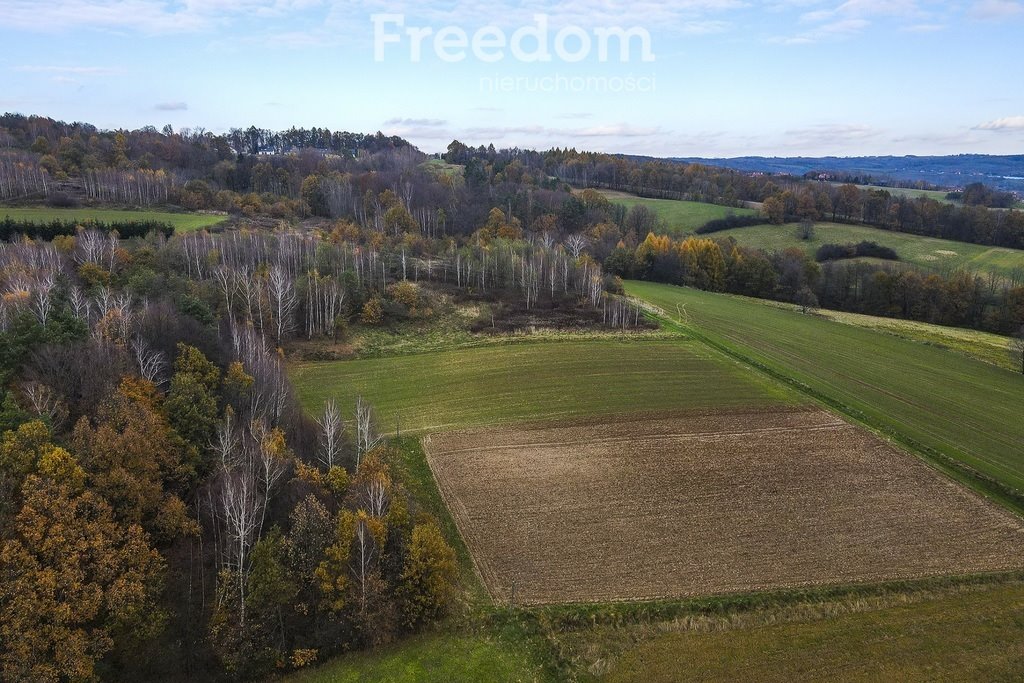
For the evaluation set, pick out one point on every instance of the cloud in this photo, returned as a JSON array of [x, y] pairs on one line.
[[618, 130], [847, 18], [996, 10], [67, 70], [171, 106], [830, 31], [426, 123], [149, 16], [1011, 124], [684, 16], [830, 135]]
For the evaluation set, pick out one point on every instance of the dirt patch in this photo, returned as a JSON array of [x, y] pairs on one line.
[[707, 503]]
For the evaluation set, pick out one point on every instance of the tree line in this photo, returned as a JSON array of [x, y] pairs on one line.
[[959, 300]]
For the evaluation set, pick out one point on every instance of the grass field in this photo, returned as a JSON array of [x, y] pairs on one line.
[[950, 405], [707, 503], [937, 195], [969, 636], [182, 222], [925, 252], [531, 381], [680, 217], [983, 346], [440, 657]]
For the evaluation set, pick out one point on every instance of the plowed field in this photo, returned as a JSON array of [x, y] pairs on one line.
[[706, 503]]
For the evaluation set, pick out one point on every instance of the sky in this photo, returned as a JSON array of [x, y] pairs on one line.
[[708, 78]]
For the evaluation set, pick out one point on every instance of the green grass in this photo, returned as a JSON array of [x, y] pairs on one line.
[[437, 658], [447, 330], [182, 222], [925, 252], [957, 410], [440, 167], [937, 195], [536, 382], [984, 346], [680, 217], [976, 636]]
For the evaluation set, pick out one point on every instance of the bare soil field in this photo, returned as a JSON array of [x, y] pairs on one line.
[[706, 503]]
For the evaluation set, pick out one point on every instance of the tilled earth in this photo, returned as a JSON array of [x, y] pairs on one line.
[[706, 503]]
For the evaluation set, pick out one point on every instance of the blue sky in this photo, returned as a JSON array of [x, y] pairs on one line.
[[725, 78]]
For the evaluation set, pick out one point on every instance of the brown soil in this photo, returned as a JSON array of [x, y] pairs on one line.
[[703, 504]]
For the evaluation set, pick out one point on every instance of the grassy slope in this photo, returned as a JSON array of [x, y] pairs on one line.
[[904, 643], [535, 381], [925, 252], [984, 346], [183, 222], [680, 217], [962, 408], [938, 195]]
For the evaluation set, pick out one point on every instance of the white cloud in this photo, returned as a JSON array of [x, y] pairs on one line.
[[925, 28], [171, 106], [430, 123], [618, 130], [848, 18], [1007, 124], [76, 70], [148, 16], [830, 136], [995, 10]]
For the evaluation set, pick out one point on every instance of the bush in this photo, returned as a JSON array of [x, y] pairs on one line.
[[838, 252], [729, 222], [373, 312]]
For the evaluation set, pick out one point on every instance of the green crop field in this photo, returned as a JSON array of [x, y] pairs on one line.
[[680, 217], [984, 346], [912, 642], [182, 222], [961, 408], [925, 252], [482, 386]]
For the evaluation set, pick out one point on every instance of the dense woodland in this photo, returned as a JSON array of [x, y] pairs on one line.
[[167, 509]]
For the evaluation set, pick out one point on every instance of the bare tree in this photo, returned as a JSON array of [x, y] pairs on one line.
[[576, 244], [283, 300], [240, 505], [332, 429], [226, 442], [45, 403], [42, 302], [367, 437], [149, 361]]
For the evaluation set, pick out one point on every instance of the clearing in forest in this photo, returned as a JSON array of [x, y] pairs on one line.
[[706, 503]]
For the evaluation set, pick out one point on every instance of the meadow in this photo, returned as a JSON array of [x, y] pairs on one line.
[[956, 409], [937, 195], [912, 640], [182, 222], [928, 253], [533, 381], [680, 217]]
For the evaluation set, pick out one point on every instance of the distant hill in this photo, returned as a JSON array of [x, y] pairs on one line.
[[1003, 172]]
